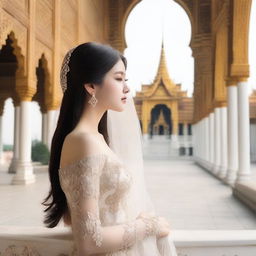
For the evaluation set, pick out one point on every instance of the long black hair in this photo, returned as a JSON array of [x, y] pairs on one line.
[[89, 62]]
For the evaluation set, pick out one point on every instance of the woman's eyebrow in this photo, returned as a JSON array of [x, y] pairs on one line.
[[119, 72]]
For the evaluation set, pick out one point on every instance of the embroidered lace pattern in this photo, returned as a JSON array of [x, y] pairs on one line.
[[152, 227], [96, 184], [129, 234], [81, 184]]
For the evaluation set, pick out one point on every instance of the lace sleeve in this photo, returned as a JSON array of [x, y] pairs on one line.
[[81, 187]]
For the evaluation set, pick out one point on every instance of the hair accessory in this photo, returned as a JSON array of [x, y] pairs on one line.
[[65, 70], [93, 101]]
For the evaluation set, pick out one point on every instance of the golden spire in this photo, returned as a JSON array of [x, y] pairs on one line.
[[162, 67], [162, 77]]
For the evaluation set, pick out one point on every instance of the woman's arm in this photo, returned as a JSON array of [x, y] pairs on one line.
[[93, 238], [81, 186]]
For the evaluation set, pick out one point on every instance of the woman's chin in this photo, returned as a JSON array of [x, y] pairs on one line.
[[119, 108]]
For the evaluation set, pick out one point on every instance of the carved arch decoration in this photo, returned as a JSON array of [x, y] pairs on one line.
[[44, 90], [187, 5], [18, 53], [45, 56], [20, 60], [18, 33]]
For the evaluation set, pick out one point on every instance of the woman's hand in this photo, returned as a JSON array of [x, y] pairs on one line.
[[163, 225], [144, 215]]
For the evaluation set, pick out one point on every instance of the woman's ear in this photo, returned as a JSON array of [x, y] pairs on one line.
[[90, 88]]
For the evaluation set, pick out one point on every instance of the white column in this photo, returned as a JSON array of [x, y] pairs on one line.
[[24, 173], [15, 157], [194, 143], [232, 135], [189, 138], [44, 128], [207, 142], [253, 141], [1, 140], [204, 140], [185, 138], [175, 141], [51, 125], [211, 136], [198, 138], [185, 129], [244, 170], [201, 141], [216, 141], [223, 143], [193, 127]]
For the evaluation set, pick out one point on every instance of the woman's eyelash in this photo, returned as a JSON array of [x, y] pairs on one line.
[[120, 79]]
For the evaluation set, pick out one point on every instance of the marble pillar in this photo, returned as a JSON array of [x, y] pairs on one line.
[[24, 172], [232, 136], [244, 168]]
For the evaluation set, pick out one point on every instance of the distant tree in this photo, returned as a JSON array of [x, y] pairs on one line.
[[7, 147], [40, 152]]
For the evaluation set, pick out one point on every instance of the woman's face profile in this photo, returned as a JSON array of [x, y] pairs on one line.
[[114, 88]]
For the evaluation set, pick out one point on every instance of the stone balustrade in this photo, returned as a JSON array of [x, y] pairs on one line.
[[58, 242]]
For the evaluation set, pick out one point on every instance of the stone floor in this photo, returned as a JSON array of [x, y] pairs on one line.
[[191, 198], [188, 196]]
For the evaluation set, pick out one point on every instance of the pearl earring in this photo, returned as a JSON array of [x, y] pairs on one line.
[[93, 101]]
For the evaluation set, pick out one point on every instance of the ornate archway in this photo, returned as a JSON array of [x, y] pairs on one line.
[[185, 4], [164, 127]]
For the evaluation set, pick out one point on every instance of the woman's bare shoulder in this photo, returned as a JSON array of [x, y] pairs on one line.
[[80, 145]]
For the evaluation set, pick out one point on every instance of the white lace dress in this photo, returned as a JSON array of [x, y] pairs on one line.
[[95, 188]]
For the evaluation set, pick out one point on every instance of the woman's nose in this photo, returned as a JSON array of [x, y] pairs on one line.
[[127, 89]]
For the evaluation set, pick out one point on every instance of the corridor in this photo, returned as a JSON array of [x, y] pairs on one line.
[[184, 193]]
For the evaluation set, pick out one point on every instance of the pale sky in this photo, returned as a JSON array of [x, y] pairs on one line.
[[148, 22]]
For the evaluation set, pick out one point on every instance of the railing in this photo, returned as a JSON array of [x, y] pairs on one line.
[[215, 242], [35, 241], [58, 242]]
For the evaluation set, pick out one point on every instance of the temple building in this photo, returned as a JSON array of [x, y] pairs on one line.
[[164, 109], [216, 127]]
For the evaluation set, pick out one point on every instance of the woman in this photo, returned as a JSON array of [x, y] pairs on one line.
[[92, 187]]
